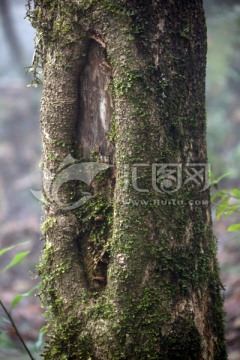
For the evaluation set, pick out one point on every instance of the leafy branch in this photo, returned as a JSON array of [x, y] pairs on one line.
[[9, 316], [17, 259], [227, 202]]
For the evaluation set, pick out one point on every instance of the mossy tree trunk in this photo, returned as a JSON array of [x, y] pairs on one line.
[[131, 273]]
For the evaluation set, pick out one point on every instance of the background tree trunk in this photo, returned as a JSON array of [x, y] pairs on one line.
[[129, 274]]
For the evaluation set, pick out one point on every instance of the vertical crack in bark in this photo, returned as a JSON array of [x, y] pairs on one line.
[[96, 105], [94, 122]]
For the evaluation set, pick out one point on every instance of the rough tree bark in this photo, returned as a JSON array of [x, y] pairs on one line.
[[130, 274]]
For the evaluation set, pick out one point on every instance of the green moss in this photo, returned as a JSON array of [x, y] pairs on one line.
[[112, 134], [51, 156], [68, 340], [94, 155], [95, 230], [48, 224], [216, 313], [185, 33]]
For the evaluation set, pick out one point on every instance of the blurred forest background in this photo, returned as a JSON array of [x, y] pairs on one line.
[[20, 155]]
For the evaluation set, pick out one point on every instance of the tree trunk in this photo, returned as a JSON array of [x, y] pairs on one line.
[[129, 271]]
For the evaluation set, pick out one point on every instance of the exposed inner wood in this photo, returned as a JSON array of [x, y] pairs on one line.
[[95, 105], [94, 122]]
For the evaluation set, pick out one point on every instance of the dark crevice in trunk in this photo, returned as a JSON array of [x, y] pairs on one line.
[[95, 106], [95, 109]]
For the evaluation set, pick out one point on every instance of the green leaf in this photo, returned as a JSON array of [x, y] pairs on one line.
[[43, 330], [211, 176], [222, 207], [219, 195], [234, 227], [216, 181], [19, 297], [236, 192], [3, 251], [16, 260], [231, 209]]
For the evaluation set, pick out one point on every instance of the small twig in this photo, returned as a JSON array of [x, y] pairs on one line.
[[16, 329]]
